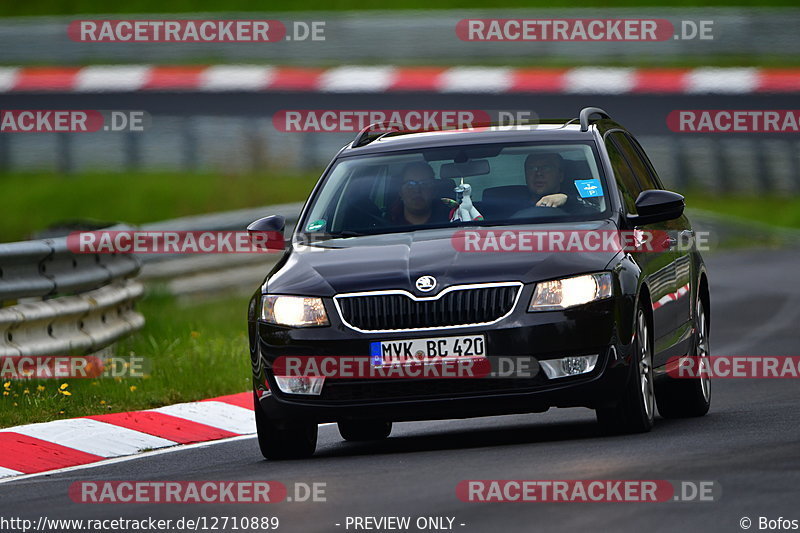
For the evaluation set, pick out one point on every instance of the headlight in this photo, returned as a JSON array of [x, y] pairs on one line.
[[293, 311], [569, 292]]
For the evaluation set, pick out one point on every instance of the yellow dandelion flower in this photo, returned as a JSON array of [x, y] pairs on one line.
[[40, 388], [102, 402], [195, 334], [63, 386], [26, 391], [7, 385], [5, 393], [133, 388], [65, 392]]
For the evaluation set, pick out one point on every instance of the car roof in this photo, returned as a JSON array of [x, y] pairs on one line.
[[549, 130]]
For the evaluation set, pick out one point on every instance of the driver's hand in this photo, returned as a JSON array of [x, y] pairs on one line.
[[552, 200]]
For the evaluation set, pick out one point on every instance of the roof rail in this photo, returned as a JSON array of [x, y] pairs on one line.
[[587, 112], [363, 137]]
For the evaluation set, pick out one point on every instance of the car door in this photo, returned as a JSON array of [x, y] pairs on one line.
[[679, 230], [658, 267]]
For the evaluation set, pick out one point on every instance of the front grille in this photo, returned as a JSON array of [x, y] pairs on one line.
[[398, 310]]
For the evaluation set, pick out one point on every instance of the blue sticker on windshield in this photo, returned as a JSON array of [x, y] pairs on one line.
[[589, 188], [375, 353]]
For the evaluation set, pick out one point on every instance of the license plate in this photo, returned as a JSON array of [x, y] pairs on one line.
[[427, 350]]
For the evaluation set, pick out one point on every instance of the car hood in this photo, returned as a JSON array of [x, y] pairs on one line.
[[395, 261]]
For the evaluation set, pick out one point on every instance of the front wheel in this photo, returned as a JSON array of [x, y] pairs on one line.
[[689, 397], [635, 411], [284, 439]]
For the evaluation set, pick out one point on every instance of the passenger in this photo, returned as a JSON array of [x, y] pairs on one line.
[[419, 202]]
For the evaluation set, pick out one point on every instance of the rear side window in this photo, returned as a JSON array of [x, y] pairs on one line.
[[645, 173]]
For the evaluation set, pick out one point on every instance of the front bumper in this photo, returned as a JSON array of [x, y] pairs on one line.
[[589, 329]]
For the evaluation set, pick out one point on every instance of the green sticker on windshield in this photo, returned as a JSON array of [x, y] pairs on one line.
[[317, 225]]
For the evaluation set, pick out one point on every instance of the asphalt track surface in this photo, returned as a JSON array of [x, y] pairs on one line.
[[748, 444]]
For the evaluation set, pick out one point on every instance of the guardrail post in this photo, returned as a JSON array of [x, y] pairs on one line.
[[64, 150], [764, 174], [5, 154], [794, 154], [680, 166], [133, 152], [189, 145], [722, 180]]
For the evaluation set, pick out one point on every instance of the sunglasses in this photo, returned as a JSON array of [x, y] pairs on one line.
[[542, 168], [427, 184]]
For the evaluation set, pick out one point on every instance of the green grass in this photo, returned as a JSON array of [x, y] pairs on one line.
[[41, 200], [775, 210], [192, 353], [70, 7]]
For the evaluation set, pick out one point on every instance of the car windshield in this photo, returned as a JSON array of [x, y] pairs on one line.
[[491, 184]]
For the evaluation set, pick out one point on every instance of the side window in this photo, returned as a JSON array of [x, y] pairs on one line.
[[643, 155], [628, 187], [641, 166]]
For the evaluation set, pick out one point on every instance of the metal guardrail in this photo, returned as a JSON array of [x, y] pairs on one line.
[[62, 303], [203, 275], [71, 325], [713, 163], [46, 268]]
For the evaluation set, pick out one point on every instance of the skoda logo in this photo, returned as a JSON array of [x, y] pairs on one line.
[[426, 283]]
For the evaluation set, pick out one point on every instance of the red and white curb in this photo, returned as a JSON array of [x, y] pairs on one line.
[[380, 79], [37, 448]]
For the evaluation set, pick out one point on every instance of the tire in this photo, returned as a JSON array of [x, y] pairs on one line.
[[635, 411], [284, 439], [686, 398], [364, 430]]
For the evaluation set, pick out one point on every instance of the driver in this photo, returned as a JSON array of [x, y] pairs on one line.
[[419, 203], [544, 173]]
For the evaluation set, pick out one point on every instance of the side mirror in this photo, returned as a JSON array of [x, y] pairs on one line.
[[266, 233], [270, 223], [657, 205]]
